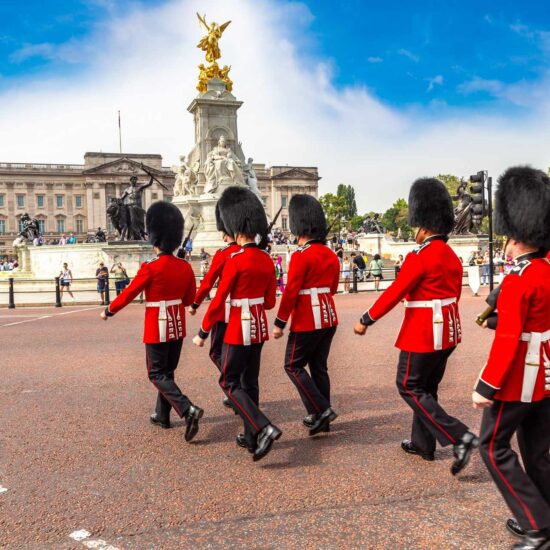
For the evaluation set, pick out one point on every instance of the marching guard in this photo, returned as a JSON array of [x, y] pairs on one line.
[[248, 279], [430, 282], [212, 276], [313, 278], [169, 285], [514, 386]]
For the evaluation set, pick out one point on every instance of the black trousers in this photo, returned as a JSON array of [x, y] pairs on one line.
[[418, 379], [216, 343], [239, 381], [310, 348], [526, 490], [162, 361]]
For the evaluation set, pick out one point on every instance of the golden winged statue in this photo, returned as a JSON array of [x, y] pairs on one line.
[[209, 43]]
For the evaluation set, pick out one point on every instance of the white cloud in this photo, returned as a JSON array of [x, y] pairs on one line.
[[374, 59], [409, 55], [435, 81], [144, 63]]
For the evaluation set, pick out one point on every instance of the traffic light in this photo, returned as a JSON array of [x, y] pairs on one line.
[[479, 207]]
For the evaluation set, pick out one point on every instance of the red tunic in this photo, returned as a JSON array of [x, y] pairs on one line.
[[432, 271], [214, 274], [313, 265], [163, 278], [247, 273], [523, 307]]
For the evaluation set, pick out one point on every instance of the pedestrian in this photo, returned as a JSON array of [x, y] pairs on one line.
[[375, 269], [312, 280], [249, 279], [359, 265], [513, 388], [346, 274], [485, 269], [169, 286], [121, 277], [65, 281], [211, 277], [340, 253], [102, 276], [399, 263], [188, 249], [430, 281], [279, 275]]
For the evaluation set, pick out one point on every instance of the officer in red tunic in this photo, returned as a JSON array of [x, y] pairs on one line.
[[169, 285], [430, 282], [248, 279], [313, 278], [212, 277], [514, 386]]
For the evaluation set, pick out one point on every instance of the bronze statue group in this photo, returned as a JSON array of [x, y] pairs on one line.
[[513, 388]]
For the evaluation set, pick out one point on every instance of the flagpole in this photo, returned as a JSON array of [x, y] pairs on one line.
[[119, 135]]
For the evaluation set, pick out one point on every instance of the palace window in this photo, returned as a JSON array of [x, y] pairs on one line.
[[20, 201], [61, 226], [42, 226], [78, 201], [154, 196], [1, 201], [40, 201], [59, 201], [284, 223], [79, 225], [21, 226], [283, 201], [2, 227]]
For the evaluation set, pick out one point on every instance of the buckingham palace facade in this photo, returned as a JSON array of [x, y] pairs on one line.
[[72, 198]]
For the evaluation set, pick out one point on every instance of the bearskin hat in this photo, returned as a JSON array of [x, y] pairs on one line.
[[522, 206], [242, 212], [307, 217], [165, 225], [219, 223], [431, 206]]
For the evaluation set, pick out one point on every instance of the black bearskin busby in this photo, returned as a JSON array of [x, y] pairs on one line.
[[219, 222], [522, 206], [165, 225], [307, 217], [242, 212], [431, 206]]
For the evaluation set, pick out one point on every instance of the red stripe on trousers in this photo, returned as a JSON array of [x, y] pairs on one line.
[[295, 376], [501, 475], [430, 418]]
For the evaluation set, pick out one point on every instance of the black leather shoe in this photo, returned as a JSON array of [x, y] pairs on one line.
[[409, 447], [513, 526], [309, 422], [265, 440], [157, 422], [323, 421], [229, 404], [241, 442], [534, 540], [194, 414], [463, 451]]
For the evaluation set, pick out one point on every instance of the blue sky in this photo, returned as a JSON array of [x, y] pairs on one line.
[[458, 53]]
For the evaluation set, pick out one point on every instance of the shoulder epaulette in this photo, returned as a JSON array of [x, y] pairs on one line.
[[519, 268], [421, 247], [303, 247], [265, 251], [152, 260], [225, 247], [236, 253]]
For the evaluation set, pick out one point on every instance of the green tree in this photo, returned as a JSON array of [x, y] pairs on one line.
[[451, 182], [348, 193], [397, 217], [335, 208]]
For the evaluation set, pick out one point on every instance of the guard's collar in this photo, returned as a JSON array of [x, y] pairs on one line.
[[529, 256], [311, 241], [431, 238], [249, 245]]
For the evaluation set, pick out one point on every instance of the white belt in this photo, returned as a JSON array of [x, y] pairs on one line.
[[162, 305], [246, 317], [315, 304], [532, 363], [437, 316], [227, 309]]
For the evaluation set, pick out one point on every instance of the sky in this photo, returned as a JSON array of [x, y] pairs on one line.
[[375, 94]]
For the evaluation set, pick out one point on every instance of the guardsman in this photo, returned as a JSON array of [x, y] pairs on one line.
[[212, 276], [169, 285], [514, 386], [248, 279], [430, 282], [312, 280]]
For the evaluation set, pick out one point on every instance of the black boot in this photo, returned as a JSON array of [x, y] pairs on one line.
[[241, 442], [462, 451], [534, 540], [409, 447], [309, 422], [194, 414], [514, 527], [154, 419], [323, 421], [265, 440]]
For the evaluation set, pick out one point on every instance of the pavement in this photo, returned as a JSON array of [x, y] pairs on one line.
[[81, 467]]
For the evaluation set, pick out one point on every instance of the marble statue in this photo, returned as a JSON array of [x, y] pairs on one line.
[[209, 43], [222, 167], [250, 177], [464, 218], [186, 178]]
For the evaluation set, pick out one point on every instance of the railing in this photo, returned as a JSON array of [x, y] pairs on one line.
[[34, 166]]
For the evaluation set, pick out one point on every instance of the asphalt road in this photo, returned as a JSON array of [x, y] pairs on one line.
[[79, 457]]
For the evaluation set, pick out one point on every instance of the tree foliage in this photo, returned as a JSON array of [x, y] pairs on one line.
[[397, 217], [335, 208], [348, 193], [451, 182]]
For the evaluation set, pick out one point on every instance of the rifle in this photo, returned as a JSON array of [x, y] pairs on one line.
[[274, 220], [186, 240], [492, 303], [142, 166]]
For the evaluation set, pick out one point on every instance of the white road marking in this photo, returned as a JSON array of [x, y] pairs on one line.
[[3, 489], [83, 536], [52, 315]]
